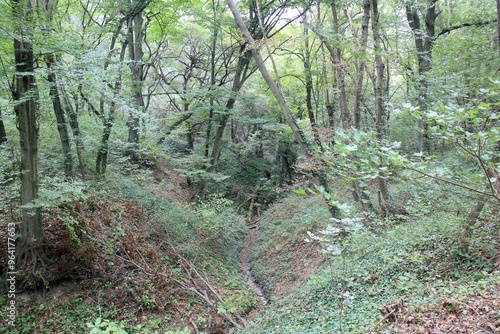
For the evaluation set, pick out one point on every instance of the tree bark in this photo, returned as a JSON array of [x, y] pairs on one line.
[[424, 40], [276, 90], [25, 94], [107, 121], [213, 54], [62, 126], [339, 69], [387, 203], [3, 133], [75, 129], [309, 84], [135, 39], [54, 93], [498, 23], [361, 63]]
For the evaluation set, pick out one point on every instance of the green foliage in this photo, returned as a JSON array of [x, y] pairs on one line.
[[219, 226], [72, 316], [105, 326], [406, 259], [282, 230], [357, 156]]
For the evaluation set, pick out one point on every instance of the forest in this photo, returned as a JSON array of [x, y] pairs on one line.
[[250, 166]]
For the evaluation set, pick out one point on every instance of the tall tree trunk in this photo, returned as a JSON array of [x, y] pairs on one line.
[[309, 84], [75, 129], [25, 95], [51, 60], [135, 39], [498, 23], [213, 54], [277, 92], [62, 127], [339, 69], [424, 38], [387, 203], [108, 120], [360, 63], [358, 194]]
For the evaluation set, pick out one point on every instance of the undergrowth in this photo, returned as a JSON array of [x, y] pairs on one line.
[[143, 263], [412, 260]]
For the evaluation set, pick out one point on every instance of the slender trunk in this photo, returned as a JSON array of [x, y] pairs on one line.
[[135, 40], [357, 192], [424, 39], [238, 80], [75, 129], [387, 203], [3, 133], [339, 69], [361, 63], [309, 84], [213, 55], [329, 105], [498, 23], [277, 92], [62, 126], [107, 120]]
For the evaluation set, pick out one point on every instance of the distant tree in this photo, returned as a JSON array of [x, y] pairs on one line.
[[51, 59], [3, 133]]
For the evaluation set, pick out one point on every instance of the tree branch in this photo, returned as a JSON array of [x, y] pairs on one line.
[[464, 25]]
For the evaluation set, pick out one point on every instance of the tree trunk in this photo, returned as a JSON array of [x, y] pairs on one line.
[[424, 40], [136, 53], [276, 90], [62, 127], [339, 69], [75, 129], [387, 203], [51, 59], [357, 192], [213, 55], [309, 84], [107, 120], [498, 23], [3, 133], [361, 64], [25, 95]]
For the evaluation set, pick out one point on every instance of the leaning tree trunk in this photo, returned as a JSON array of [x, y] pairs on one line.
[[276, 90], [28, 255], [72, 114], [62, 127]]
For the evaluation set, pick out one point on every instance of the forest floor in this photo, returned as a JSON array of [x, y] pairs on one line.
[[118, 265]]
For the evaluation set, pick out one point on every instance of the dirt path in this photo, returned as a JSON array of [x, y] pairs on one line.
[[244, 259]]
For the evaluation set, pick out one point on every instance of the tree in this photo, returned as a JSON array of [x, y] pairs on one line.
[[135, 36], [3, 133], [277, 92], [424, 39], [24, 92], [54, 90], [387, 203]]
